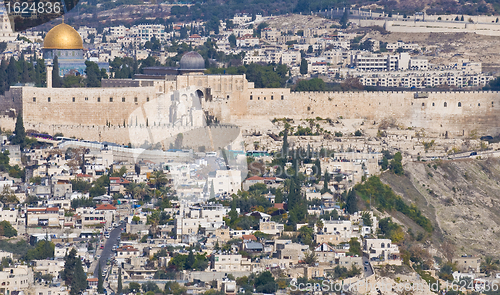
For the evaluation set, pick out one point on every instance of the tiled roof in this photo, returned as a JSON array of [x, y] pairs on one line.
[[106, 207]]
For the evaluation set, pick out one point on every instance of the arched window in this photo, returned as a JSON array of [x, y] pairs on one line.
[[445, 104], [382, 245], [459, 104]]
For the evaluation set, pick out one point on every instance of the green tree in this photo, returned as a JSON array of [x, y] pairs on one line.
[[351, 202], [19, 132], [190, 260], [306, 234], [56, 79], [212, 190], [134, 287], [7, 230], [119, 288], [265, 283], [284, 147], [73, 274], [150, 286], [43, 250], [367, 219], [317, 165], [94, 74], [326, 179], [345, 18], [7, 196], [489, 265], [12, 72], [100, 287], [355, 247], [384, 164], [314, 84], [232, 40], [396, 164], [303, 67]]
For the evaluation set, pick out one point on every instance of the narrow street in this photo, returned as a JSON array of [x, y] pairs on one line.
[[108, 247]]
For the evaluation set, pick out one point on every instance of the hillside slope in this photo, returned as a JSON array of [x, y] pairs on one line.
[[461, 197]]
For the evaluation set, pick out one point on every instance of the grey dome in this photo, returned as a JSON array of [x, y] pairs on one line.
[[192, 61]]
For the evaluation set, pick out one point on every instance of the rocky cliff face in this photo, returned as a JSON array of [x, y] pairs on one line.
[[462, 197]]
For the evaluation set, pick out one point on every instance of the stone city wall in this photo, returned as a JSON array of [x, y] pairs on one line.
[[85, 106], [218, 137], [441, 113], [433, 26], [85, 112]]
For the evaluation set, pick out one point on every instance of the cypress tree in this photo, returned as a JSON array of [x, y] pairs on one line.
[[284, 148], [23, 67], [56, 79], [303, 67], [190, 260], [325, 183], [212, 190], [317, 164], [12, 72], [3, 77], [119, 289], [20, 134], [100, 288], [73, 274], [80, 278]]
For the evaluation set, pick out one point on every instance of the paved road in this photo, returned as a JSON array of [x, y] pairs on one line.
[[369, 271], [108, 247]]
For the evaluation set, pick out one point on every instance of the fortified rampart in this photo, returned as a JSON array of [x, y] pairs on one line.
[[407, 26], [441, 113], [158, 111]]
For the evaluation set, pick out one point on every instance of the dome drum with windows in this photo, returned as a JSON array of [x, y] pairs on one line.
[[64, 42]]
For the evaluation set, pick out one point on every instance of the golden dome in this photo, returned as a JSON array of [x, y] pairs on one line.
[[62, 36]]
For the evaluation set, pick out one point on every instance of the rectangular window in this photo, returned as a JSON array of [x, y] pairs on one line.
[[98, 99], [73, 99], [110, 99], [135, 99], [272, 97], [282, 97], [48, 99], [251, 97], [34, 99], [86, 98], [123, 99], [147, 99]]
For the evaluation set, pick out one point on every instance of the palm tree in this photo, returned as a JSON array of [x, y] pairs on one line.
[[143, 190], [131, 189], [319, 225], [157, 179], [489, 265], [310, 258]]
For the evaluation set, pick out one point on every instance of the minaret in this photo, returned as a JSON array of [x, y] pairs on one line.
[[162, 56], [49, 68]]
